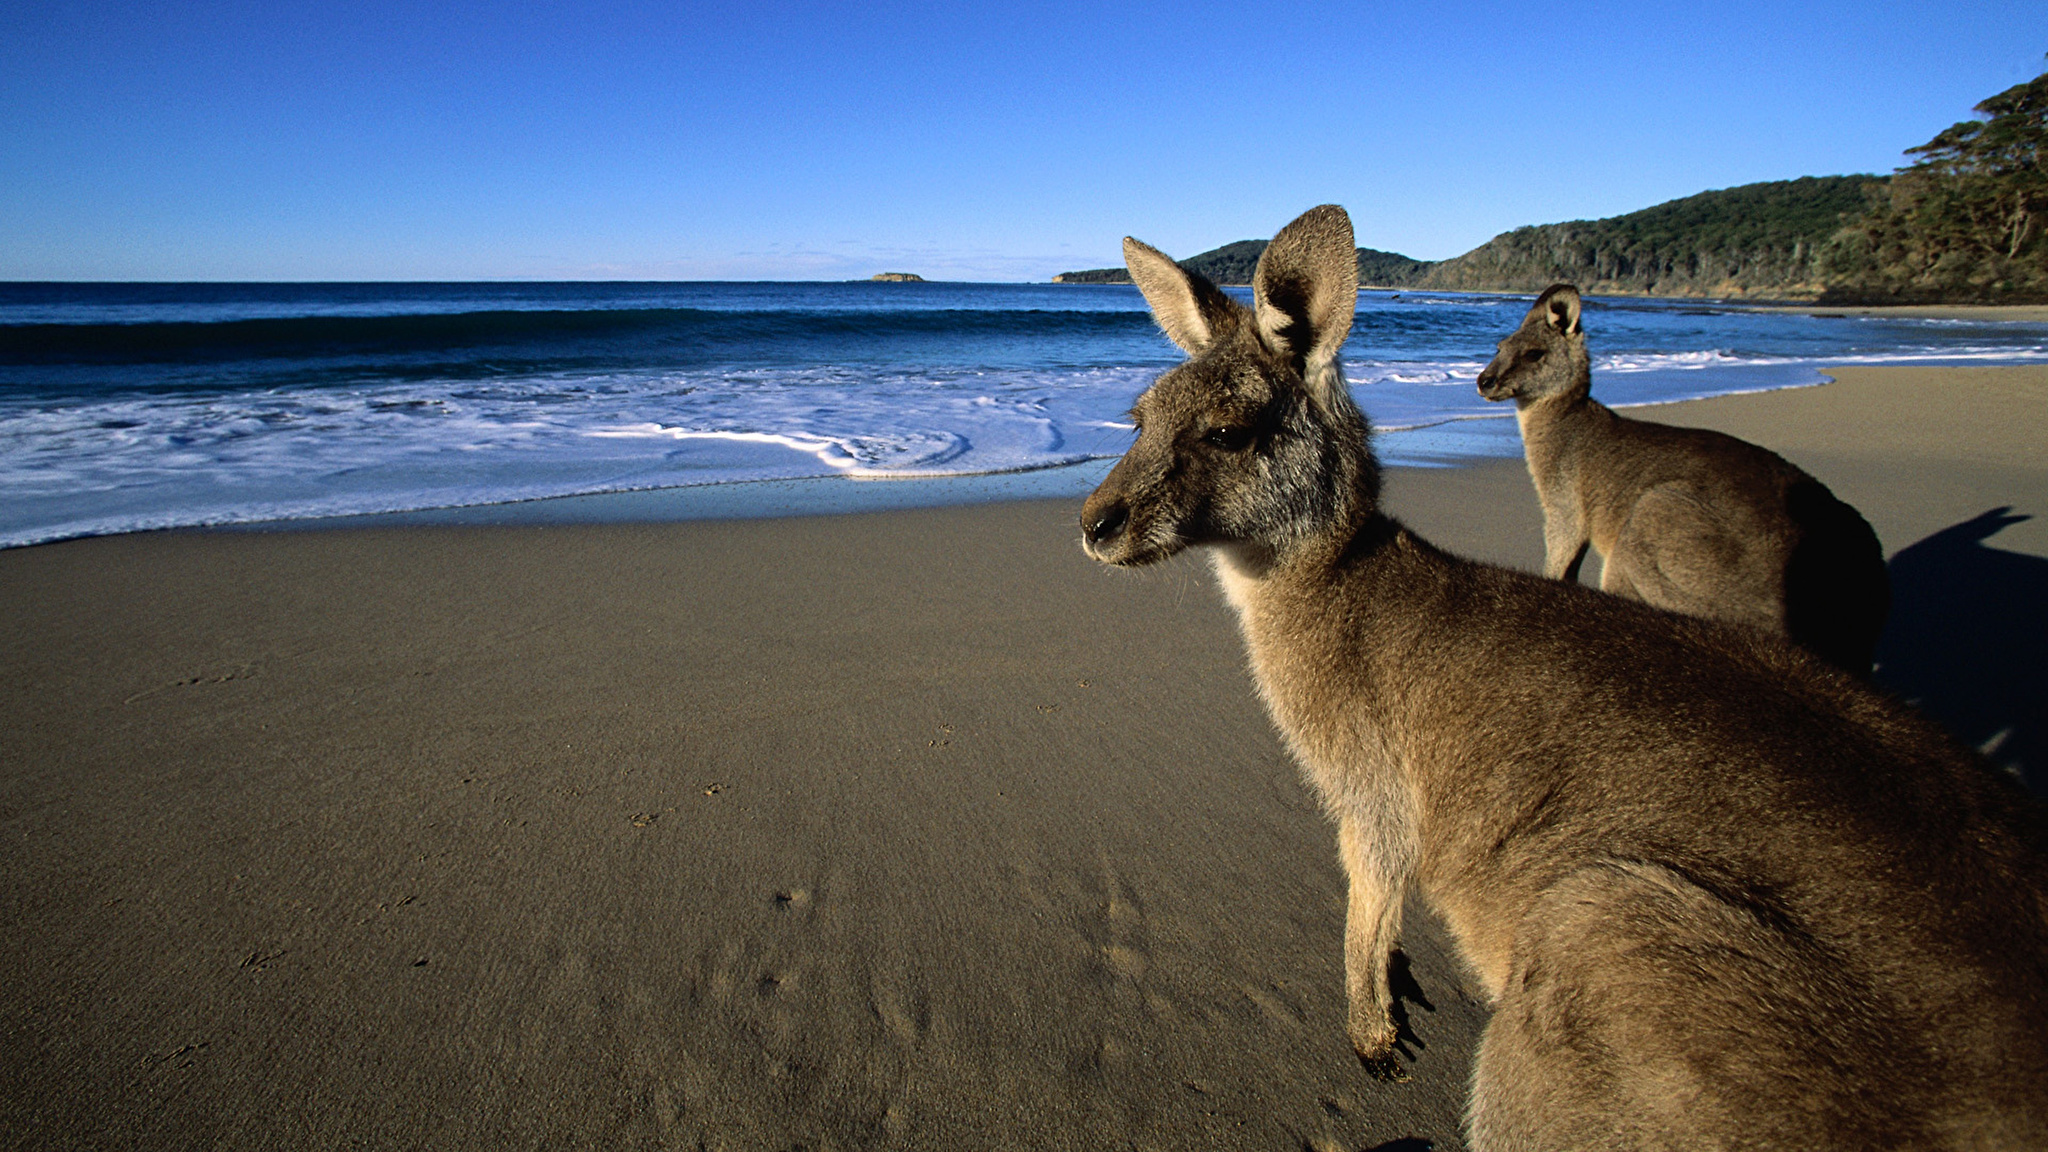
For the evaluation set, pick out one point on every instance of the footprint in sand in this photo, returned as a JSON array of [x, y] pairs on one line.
[[1277, 1004], [221, 675], [905, 1012], [1117, 930]]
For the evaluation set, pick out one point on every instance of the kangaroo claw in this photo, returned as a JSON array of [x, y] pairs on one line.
[[1384, 1067]]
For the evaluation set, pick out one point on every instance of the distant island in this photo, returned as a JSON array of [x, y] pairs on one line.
[[1963, 224], [898, 277]]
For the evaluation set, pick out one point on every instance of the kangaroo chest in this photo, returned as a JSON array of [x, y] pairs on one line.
[[1573, 463], [1552, 446], [1309, 673], [1333, 662]]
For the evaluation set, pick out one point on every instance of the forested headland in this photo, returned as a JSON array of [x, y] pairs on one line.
[[1963, 223]]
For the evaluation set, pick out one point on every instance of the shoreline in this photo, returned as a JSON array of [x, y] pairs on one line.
[[910, 827], [2000, 313], [285, 438], [1455, 442], [1460, 442]]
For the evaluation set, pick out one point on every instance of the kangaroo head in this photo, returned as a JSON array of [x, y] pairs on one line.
[[1546, 356], [1255, 440]]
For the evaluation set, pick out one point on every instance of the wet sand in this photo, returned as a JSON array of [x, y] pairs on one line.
[[910, 829]]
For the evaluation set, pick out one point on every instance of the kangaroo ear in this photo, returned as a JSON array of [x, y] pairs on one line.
[[1306, 291], [1559, 308], [1191, 311]]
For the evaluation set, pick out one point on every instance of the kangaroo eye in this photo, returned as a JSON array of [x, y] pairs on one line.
[[1229, 437], [1532, 355]]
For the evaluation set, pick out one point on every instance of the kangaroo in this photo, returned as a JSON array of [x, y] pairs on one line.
[[1683, 518], [1719, 893]]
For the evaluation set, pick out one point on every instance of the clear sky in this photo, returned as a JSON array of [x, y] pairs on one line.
[[771, 140]]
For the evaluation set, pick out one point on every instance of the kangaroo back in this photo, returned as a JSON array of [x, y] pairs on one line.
[[1719, 893], [1686, 519], [1837, 589]]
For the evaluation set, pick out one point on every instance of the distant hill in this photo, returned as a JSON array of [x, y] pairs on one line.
[[1755, 240], [1758, 240], [1234, 263], [1966, 223], [1378, 269]]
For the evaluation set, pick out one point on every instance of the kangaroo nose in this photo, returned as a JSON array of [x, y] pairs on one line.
[[1105, 523]]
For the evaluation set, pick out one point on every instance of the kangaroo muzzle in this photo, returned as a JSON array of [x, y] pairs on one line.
[[1489, 383], [1103, 523]]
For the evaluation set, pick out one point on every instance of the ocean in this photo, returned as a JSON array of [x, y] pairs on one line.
[[126, 407]]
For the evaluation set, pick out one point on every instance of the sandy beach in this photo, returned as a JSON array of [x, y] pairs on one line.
[[913, 829]]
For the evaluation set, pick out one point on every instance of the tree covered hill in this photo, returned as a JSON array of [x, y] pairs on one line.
[[1755, 240], [1965, 223], [1233, 264], [1750, 240]]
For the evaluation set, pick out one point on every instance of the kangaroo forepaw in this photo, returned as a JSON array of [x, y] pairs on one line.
[[1384, 1067], [1375, 1048]]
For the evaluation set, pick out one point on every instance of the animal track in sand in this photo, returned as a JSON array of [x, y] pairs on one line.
[[261, 960], [1125, 961], [1277, 1004], [906, 1014], [181, 1057], [1103, 912], [1117, 930], [217, 676], [716, 973]]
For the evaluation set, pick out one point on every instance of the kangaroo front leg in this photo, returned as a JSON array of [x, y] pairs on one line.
[[1371, 923], [1564, 548]]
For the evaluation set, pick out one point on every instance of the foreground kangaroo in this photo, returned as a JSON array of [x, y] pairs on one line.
[[1684, 518], [1720, 894]]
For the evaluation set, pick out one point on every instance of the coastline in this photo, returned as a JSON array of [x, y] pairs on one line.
[[221, 408], [2022, 313], [909, 827]]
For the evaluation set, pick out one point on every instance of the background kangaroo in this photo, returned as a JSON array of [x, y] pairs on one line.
[[1719, 893], [1686, 519]]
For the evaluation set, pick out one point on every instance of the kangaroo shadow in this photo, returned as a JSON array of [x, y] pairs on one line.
[[1968, 641], [1406, 989]]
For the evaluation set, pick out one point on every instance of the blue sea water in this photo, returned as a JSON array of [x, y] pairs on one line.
[[134, 406]]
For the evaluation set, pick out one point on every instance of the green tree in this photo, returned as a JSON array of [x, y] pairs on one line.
[[1963, 223]]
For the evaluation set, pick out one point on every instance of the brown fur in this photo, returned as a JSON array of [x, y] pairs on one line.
[[1684, 518], [1720, 894]]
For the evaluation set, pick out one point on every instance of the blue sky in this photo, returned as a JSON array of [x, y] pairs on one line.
[[771, 140]]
